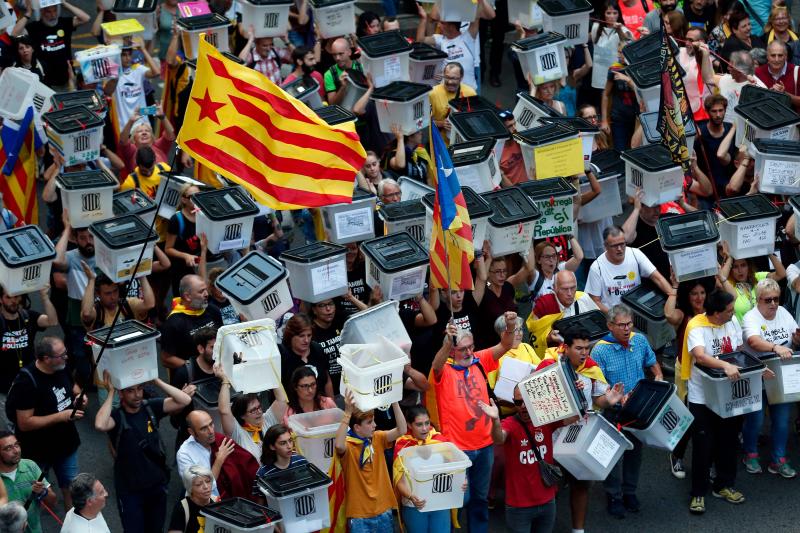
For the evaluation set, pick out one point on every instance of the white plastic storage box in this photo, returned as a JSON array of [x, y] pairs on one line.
[[479, 213], [403, 103], [88, 195], [226, 217], [475, 163], [99, 63], [733, 398], [130, 355], [306, 90], [690, 240], [356, 87], [237, 515], [550, 394], [374, 372], [118, 243], [748, 225], [594, 322], [652, 169], [607, 204], [89, 98], [76, 133], [405, 216], [335, 114], [142, 10], [27, 256], [334, 18], [436, 474], [480, 124], [411, 189], [555, 200], [192, 63], [782, 389], [425, 64], [317, 271], [315, 434], [647, 303], [385, 56], [542, 56], [646, 76], [586, 131], [248, 352], [270, 18], [777, 165], [512, 222], [300, 494], [257, 287], [135, 202], [213, 25], [120, 31], [456, 10], [527, 12], [539, 137], [651, 135], [590, 448], [369, 325], [655, 415], [529, 109], [765, 119], [397, 263], [351, 222], [172, 189], [17, 87], [570, 18]]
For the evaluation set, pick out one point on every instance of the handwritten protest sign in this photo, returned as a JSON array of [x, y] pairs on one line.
[[559, 159], [547, 396]]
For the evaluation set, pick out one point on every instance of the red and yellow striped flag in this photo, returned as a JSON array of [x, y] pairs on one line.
[[242, 125]]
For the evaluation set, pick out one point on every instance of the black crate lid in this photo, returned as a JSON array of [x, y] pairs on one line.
[[480, 124], [646, 300], [88, 98], [768, 114], [135, 6], [24, 246], [471, 152], [293, 480], [559, 8], [405, 210], [609, 162], [537, 41], [251, 276], [651, 158], [207, 391], [754, 93], [132, 201], [335, 114], [123, 232], [385, 43], [400, 91], [240, 513], [750, 207], [690, 229], [510, 206], [745, 361], [72, 119], [225, 204], [645, 403], [572, 377], [85, 179], [538, 104], [472, 103], [268, 2], [314, 252], [548, 188], [125, 332], [300, 87], [319, 4], [593, 322], [545, 134], [649, 122], [202, 22], [192, 63], [395, 252], [577, 123], [476, 205], [645, 73], [426, 52], [646, 49], [359, 194], [777, 147]]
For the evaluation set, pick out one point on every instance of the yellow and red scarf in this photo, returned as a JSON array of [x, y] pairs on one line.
[[178, 307], [687, 360]]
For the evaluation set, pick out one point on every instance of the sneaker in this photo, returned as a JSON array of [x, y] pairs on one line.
[[751, 464], [631, 503], [697, 505], [729, 494], [615, 507], [783, 468], [676, 467]]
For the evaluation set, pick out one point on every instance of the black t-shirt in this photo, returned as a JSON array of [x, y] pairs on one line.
[[16, 345], [422, 349], [46, 394], [645, 233], [7, 49], [225, 310], [706, 146], [176, 334], [136, 466], [316, 359], [704, 21], [53, 48], [178, 520], [624, 105], [357, 281], [187, 241], [464, 319], [329, 340]]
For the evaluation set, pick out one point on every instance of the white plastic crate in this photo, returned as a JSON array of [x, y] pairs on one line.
[[690, 240], [550, 395], [99, 63], [528, 110], [425, 64], [249, 354], [353, 222], [300, 494], [238, 515], [226, 217], [144, 11], [527, 12], [783, 388], [404, 104], [411, 189], [456, 10], [765, 119], [374, 372], [570, 18], [213, 25], [647, 303], [777, 165], [555, 200], [17, 87], [87, 195], [396, 263], [590, 448], [655, 415], [408, 216], [270, 18], [436, 474], [130, 355], [733, 398], [542, 56], [315, 434], [475, 163], [334, 18], [369, 325], [135, 202], [118, 243], [651, 168], [748, 224], [607, 204], [257, 287], [318, 271], [172, 188], [511, 225], [27, 256], [75, 132], [385, 56]]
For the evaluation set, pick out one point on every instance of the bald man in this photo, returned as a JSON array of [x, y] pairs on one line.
[[196, 450], [780, 75], [336, 78]]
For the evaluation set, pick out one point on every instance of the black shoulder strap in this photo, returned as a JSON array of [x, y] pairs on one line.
[[489, 390], [531, 440], [537, 285], [123, 426]]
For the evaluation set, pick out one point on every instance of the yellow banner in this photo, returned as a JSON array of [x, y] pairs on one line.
[[560, 159]]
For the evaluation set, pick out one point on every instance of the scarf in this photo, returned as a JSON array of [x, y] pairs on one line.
[[610, 339], [254, 431], [465, 369], [588, 368], [178, 307], [687, 360], [792, 36], [366, 447]]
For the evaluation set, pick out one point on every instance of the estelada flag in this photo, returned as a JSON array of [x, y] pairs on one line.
[[18, 142], [245, 127]]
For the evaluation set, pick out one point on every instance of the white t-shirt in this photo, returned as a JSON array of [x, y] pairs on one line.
[[716, 341], [592, 389], [75, 523], [778, 330], [129, 94], [610, 282], [731, 89], [459, 50], [792, 273]]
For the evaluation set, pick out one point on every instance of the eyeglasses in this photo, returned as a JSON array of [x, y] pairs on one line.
[[325, 304], [499, 271], [548, 256], [623, 325], [618, 245], [62, 355], [771, 300], [307, 386], [465, 349], [392, 194], [255, 410]]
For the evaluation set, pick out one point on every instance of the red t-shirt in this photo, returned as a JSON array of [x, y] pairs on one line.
[[127, 152], [633, 17], [524, 487]]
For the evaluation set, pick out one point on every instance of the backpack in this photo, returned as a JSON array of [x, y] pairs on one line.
[[153, 450], [135, 175], [11, 410]]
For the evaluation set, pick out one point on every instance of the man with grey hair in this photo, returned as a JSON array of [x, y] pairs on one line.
[[13, 518], [730, 84], [779, 74], [189, 316], [623, 355], [89, 498], [565, 301]]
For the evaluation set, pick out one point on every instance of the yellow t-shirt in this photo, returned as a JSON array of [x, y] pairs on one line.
[[368, 490], [147, 184], [440, 98]]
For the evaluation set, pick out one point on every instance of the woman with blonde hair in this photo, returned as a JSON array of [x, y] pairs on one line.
[[779, 26]]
